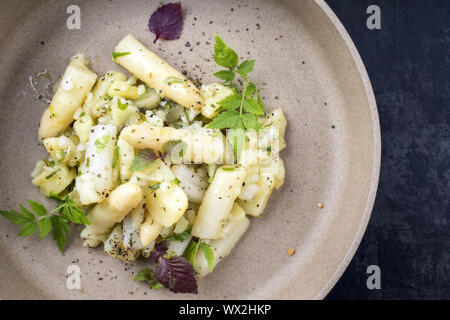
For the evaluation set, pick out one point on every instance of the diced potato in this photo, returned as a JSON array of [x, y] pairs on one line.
[[97, 102], [150, 99], [121, 114], [149, 229], [277, 120], [83, 127], [123, 89], [218, 201], [53, 180], [211, 94], [61, 149], [256, 206], [167, 204], [236, 227], [154, 175], [191, 183]]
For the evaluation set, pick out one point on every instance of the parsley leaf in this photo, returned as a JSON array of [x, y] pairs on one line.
[[179, 236], [60, 231], [231, 102], [224, 56], [224, 120], [143, 160], [251, 106], [209, 255], [192, 249], [226, 75], [148, 276], [56, 219], [251, 122], [245, 67]]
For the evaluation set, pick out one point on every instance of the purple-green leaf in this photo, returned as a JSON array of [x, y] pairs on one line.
[[167, 21]]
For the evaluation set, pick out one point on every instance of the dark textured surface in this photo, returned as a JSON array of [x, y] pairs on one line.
[[408, 236]]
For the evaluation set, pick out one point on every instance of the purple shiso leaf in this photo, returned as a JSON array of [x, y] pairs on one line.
[[176, 274], [167, 21]]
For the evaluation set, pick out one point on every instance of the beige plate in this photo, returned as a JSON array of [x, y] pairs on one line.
[[307, 65]]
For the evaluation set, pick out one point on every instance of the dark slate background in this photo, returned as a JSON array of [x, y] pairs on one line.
[[408, 236]]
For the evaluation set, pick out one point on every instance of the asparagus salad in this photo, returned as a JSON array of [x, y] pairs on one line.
[[152, 166]]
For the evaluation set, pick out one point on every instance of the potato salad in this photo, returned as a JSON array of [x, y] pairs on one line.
[[162, 168]]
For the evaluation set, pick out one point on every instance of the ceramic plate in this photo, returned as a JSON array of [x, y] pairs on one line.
[[307, 65]]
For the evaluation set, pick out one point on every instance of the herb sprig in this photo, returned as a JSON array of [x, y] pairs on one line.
[[239, 110], [55, 220]]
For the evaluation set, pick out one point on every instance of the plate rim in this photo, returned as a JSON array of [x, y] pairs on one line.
[[376, 152]]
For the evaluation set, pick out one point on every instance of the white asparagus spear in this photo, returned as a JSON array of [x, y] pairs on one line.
[[157, 73], [76, 82]]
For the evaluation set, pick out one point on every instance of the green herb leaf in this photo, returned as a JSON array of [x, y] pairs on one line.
[[226, 75], [251, 122], [148, 276], [37, 208], [27, 214], [209, 255], [251, 106], [52, 174], [121, 106], [170, 80], [44, 226], [175, 150], [230, 102], [60, 230], [154, 186], [261, 103], [245, 67], [251, 89], [224, 120], [224, 56], [14, 217], [179, 236], [236, 137], [228, 168], [28, 229], [101, 142], [116, 54], [191, 251], [143, 160], [72, 213], [115, 156]]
